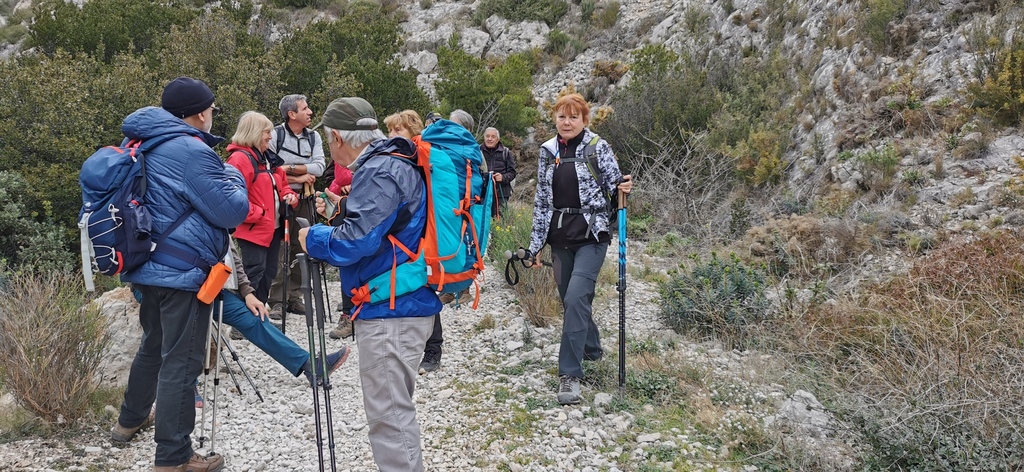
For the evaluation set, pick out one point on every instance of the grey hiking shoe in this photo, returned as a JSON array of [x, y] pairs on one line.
[[122, 435], [334, 360], [275, 312], [431, 361], [568, 390], [343, 330], [197, 463]]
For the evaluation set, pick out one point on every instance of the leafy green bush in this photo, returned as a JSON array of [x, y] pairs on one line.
[[359, 49], [105, 27], [50, 346], [1000, 93], [501, 96], [608, 15], [717, 296], [77, 105], [587, 10], [548, 11], [28, 241], [875, 19]]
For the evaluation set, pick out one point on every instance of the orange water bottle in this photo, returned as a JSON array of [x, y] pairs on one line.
[[219, 274]]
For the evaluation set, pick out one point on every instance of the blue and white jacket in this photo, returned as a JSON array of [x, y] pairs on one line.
[[590, 195]]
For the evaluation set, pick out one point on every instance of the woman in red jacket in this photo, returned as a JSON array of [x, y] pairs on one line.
[[259, 236]]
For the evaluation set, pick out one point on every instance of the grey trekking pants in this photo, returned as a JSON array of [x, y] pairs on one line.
[[390, 350], [576, 272]]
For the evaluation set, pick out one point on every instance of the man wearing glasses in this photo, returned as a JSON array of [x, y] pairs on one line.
[[193, 200], [302, 151]]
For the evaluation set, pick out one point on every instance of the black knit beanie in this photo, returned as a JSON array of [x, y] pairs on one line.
[[186, 96]]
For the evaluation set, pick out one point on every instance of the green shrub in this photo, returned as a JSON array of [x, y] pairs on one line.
[[875, 19], [354, 55], [107, 27], [717, 296], [587, 10], [608, 15], [548, 11], [879, 166], [1000, 93], [501, 96], [29, 241], [50, 346]]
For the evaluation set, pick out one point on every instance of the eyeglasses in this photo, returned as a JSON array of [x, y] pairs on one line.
[[216, 110]]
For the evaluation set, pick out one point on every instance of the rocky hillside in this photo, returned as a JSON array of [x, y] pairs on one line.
[[880, 131]]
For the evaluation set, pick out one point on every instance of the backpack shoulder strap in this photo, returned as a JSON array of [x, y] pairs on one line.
[[590, 157], [255, 164], [279, 130], [141, 149]]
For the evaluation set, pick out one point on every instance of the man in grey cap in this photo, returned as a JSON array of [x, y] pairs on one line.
[[387, 206], [194, 200]]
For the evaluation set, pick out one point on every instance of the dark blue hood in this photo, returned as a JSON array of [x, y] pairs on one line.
[[148, 122]]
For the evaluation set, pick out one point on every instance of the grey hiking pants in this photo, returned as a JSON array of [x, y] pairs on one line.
[[576, 272], [390, 350]]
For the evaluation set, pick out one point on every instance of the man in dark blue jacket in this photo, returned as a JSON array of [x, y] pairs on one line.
[[186, 180], [387, 203]]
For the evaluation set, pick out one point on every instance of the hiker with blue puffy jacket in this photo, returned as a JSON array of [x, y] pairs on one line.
[[386, 207], [195, 200], [571, 214]]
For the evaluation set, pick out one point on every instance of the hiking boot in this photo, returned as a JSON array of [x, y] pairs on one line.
[[296, 307], [121, 434], [447, 298], [197, 463], [568, 390], [275, 312], [236, 335], [431, 361], [334, 360], [343, 330], [464, 298]]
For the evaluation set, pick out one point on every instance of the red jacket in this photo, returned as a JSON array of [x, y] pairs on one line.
[[258, 227], [342, 177]]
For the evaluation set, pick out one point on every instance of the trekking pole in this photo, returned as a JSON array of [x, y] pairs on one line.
[[326, 292], [287, 267], [307, 295], [238, 360], [216, 377], [231, 373], [311, 200], [326, 383], [206, 376], [621, 287]]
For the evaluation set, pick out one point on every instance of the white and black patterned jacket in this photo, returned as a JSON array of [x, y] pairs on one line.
[[590, 196]]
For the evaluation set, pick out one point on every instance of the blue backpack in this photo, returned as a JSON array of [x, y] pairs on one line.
[[114, 223], [451, 252]]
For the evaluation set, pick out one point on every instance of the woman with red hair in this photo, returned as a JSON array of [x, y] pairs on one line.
[[577, 174]]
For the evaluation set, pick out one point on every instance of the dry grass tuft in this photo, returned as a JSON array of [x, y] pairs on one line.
[[50, 346], [927, 365]]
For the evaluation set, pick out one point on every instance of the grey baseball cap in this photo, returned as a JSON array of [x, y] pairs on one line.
[[344, 114]]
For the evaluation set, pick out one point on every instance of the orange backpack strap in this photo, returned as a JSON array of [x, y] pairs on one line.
[[360, 295]]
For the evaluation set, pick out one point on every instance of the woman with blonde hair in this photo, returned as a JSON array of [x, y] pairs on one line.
[[571, 214], [259, 236]]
